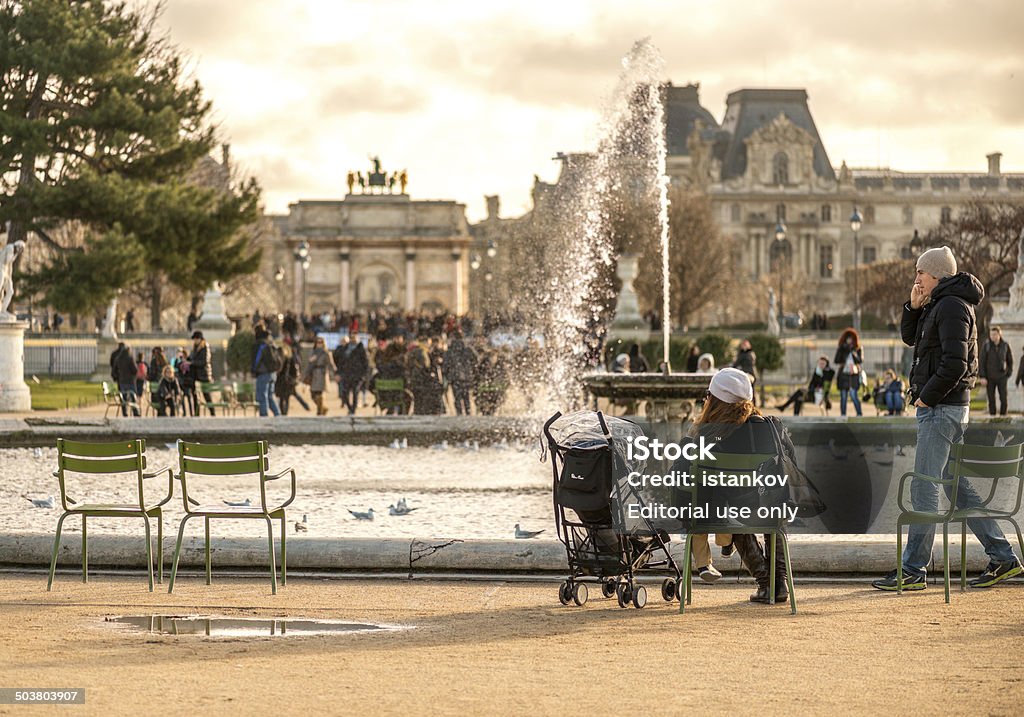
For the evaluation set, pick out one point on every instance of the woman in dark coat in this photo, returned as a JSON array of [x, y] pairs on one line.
[[849, 358]]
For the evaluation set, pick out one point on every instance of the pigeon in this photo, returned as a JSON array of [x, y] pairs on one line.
[[526, 534], [41, 502], [238, 503], [1002, 440], [368, 515], [838, 455], [37, 452], [300, 527], [899, 451]]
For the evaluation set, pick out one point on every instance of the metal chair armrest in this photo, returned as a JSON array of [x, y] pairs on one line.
[[170, 483], [922, 476], [276, 476]]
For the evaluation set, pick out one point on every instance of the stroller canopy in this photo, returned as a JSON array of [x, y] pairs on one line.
[[582, 430]]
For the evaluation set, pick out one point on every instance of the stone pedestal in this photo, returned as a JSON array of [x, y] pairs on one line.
[[1011, 320], [14, 393], [217, 329], [628, 324]]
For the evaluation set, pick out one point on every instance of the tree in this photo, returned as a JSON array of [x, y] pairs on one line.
[[984, 237], [100, 129], [700, 259], [883, 286]]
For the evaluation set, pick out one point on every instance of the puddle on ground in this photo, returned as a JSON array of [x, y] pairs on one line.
[[213, 626]]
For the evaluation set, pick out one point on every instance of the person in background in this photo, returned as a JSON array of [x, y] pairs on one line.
[[893, 397], [124, 371], [705, 364], [168, 393], [201, 369], [154, 374], [821, 379], [266, 362], [995, 368], [318, 371], [693, 360], [288, 378], [637, 361], [183, 370], [460, 362], [849, 358], [141, 375], [746, 360]]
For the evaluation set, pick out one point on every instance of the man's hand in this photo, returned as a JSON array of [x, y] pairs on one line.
[[917, 296], [983, 381], [921, 404]]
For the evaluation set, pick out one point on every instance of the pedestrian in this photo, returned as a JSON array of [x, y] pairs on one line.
[[266, 362], [849, 360], [124, 372], [288, 379], [693, 360], [129, 321], [154, 374], [939, 322], [141, 375], [637, 361], [460, 362], [746, 360], [201, 370], [318, 371], [168, 393], [995, 368]]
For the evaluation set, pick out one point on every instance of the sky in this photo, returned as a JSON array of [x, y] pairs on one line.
[[475, 97]]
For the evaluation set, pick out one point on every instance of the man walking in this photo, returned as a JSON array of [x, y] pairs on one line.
[[939, 322], [266, 362], [995, 369]]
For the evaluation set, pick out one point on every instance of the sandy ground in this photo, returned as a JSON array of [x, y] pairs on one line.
[[495, 647]]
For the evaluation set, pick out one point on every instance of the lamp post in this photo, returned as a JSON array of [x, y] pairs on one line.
[[780, 252], [855, 224], [916, 245], [302, 259]]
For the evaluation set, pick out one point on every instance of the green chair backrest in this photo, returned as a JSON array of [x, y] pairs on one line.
[[740, 464], [245, 392], [222, 459], [995, 462], [390, 384], [100, 459]]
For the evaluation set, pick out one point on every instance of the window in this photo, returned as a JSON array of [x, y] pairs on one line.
[[780, 169], [868, 255], [825, 266], [906, 252], [869, 214], [826, 213], [736, 213], [908, 216], [946, 215], [780, 212]]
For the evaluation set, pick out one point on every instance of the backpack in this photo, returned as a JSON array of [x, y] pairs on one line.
[[273, 358]]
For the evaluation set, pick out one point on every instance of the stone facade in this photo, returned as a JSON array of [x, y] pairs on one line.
[[373, 251]]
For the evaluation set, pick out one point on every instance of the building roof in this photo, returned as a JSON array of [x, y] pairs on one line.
[[682, 110], [748, 110]]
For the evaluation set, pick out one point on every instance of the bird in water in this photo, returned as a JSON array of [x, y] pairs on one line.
[[526, 534]]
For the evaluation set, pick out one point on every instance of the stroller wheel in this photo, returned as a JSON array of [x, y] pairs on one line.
[[608, 588], [624, 593], [564, 593], [579, 594], [639, 597], [668, 590]]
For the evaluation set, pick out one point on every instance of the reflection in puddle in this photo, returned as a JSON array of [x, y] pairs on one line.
[[239, 626]]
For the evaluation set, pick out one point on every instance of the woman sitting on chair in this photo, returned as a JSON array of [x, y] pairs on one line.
[[734, 424]]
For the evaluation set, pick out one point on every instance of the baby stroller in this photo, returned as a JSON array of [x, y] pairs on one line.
[[589, 465]]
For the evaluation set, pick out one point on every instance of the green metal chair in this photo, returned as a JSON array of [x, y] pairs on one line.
[[222, 396], [245, 397], [965, 461], [740, 464], [108, 458], [390, 393], [231, 459]]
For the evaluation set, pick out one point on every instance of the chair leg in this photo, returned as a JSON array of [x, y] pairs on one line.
[[273, 558], [684, 595], [771, 569], [284, 552], [56, 547], [899, 556], [209, 563], [963, 556], [789, 574], [945, 557], [85, 551], [149, 551], [160, 546], [177, 552]]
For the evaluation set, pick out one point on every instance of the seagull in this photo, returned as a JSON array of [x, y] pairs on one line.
[[1002, 440], [368, 515], [395, 444], [405, 443], [41, 502], [402, 505], [442, 446], [37, 452], [400, 509], [300, 527], [238, 503], [525, 534], [899, 451], [838, 455]]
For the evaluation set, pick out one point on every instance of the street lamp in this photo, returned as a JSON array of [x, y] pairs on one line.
[[302, 259], [916, 245], [492, 249], [474, 263], [780, 253], [855, 224]]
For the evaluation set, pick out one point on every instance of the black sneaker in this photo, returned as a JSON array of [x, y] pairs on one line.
[[727, 550], [910, 581], [997, 572]]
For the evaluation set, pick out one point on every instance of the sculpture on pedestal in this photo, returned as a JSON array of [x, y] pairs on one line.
[[8, 255], [773, 316]]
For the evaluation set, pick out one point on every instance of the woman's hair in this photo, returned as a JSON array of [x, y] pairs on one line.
[[850, 332], [823, 358], [718, 412], [168, 372]]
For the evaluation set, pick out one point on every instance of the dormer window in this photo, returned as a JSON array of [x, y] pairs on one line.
[[780, 169]]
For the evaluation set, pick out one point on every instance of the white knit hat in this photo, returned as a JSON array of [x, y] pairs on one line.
[[732, 386], [939, 262]]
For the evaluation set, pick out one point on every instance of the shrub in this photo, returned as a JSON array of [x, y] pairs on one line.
[[719, 346], [769, 351], [240, 349]]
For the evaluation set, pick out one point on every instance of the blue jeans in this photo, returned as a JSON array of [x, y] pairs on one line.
[[894, 402], [937, 430], [265, 393], [128, 396], [853, 390]]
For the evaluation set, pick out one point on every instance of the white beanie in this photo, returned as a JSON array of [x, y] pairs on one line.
[[732, 386], [939, 262]]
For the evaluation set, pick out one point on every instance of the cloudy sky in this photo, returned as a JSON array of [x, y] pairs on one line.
[[476, 97]]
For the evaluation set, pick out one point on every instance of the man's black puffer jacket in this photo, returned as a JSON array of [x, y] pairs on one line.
[[944, 335]]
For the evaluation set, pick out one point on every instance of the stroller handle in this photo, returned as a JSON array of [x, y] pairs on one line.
[[547, 425], [604, 428]]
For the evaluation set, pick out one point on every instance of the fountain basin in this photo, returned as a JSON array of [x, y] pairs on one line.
[[666, 397]]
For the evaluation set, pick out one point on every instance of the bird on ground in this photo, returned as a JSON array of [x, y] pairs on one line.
[[837, 454], [1002, 440], [400, 509], [40, 502], [238, 503], [442, 446], [358, 515], [37, 452], [301, 527], [899, 451], [526, 534]]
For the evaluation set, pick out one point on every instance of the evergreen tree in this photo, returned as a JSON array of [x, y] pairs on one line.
[[100, 128]]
